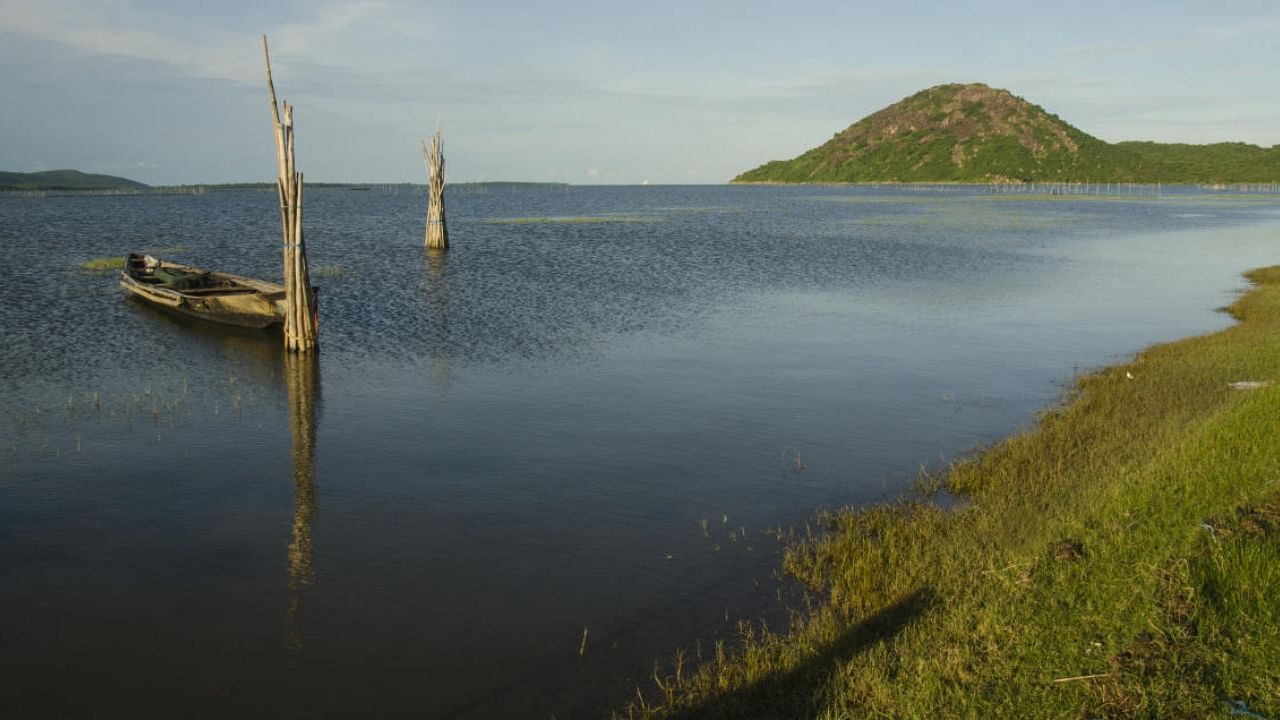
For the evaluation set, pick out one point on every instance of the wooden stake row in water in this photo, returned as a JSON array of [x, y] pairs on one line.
[[1069, 187], [1087, 187]]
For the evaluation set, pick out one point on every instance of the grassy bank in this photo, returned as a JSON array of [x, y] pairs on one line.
[[1120, 560]]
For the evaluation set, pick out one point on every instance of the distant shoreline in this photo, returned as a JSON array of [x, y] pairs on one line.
[[1080, 188], [202, 188]]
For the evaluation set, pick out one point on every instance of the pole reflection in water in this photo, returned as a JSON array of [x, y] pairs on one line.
[[437, 307], [302, 382]]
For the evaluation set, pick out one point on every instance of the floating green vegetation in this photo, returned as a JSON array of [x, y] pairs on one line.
[[107, 264], [701, 209], [1260, 199], [102, 264], [1148, 197], [1118, 560], [1052, 197], [968, 215], [575, 220], [885, 199]]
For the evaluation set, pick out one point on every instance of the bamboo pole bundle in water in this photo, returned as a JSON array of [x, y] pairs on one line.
[[300, 321], [437, 230]]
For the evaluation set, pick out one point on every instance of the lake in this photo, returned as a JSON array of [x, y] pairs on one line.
[[520, 472]]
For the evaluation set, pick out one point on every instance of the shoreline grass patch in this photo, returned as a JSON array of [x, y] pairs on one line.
[[1119, 560]]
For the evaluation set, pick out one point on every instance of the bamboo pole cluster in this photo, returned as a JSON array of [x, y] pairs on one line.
[[437, 231], [301, 319]]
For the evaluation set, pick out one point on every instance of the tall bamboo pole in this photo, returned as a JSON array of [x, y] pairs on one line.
[[437, 231], [300, 315]]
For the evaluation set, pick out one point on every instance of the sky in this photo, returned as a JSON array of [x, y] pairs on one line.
[[592, 92]]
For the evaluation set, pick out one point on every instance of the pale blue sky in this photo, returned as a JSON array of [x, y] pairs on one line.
[[592, 92]]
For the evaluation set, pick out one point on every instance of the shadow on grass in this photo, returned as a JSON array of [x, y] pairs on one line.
[[798, 693]]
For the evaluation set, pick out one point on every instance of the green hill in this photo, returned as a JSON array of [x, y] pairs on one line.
[[976, 133], [65, 180], [1220, 162]]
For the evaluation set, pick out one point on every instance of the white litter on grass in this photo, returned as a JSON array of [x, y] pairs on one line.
[[1249, 384]]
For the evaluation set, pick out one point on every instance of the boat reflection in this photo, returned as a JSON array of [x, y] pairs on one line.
[[257, 352], [302, 384]]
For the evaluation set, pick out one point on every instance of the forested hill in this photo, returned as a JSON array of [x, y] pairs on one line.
[[976, 133], [65, 180]]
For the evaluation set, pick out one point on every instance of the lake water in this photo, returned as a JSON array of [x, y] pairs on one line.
[[588, 414]]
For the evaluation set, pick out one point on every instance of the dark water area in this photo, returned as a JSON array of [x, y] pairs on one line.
[[588, 414]]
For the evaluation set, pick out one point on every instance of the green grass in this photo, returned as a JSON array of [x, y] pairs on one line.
[[102, 264], [1119, 560]]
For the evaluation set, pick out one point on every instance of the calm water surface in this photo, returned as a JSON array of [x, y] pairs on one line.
[[588, 414]]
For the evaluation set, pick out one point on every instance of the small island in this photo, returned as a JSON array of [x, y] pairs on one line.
[[66, 180]]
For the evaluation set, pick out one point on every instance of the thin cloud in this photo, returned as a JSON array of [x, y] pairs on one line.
[[1202, 38], [207, 53], [1180, 45], [91, 30]]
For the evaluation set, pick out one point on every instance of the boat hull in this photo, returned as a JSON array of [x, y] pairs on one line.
[[224, 299]]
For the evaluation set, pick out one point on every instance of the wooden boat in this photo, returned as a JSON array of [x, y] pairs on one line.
[[214, 296]]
